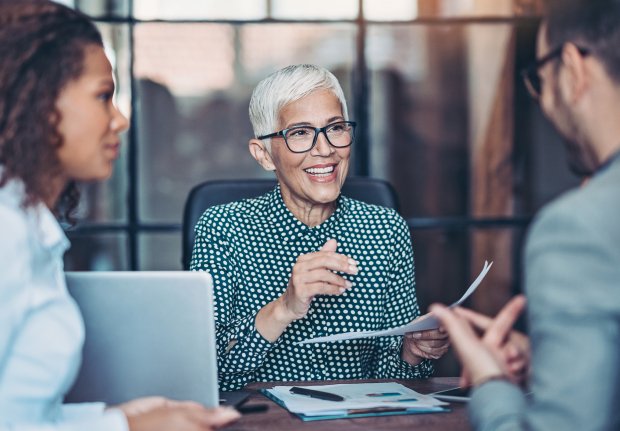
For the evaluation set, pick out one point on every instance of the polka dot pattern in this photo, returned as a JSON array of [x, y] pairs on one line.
[[250, 247]]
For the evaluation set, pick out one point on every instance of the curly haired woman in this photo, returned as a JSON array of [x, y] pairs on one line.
[[58, 125]]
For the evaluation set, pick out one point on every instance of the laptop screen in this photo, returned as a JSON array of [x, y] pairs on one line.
[[147, 333]]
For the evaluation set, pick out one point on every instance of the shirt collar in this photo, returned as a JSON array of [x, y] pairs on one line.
[[290, 228], [46, 228], [615, 158], [49, 232]]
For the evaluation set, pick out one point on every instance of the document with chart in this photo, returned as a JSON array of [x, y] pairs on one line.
[[426, 322], [353, 400]]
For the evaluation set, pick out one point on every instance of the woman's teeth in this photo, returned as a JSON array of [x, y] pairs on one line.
[[320, 171]]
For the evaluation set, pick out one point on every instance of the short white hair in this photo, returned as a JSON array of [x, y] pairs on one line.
[[285, 86]]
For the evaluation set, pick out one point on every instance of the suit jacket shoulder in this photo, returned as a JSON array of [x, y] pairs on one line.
[[575, 243], [573, 288]]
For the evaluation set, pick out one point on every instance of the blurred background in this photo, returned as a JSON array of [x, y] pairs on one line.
[[433, 84]]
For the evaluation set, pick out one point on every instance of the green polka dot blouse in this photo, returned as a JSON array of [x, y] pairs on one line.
[[250, 247]]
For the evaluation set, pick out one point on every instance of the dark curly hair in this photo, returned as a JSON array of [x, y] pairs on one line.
[[41, 50]]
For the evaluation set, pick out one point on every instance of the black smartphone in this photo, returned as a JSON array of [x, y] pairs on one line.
[[453, 394]]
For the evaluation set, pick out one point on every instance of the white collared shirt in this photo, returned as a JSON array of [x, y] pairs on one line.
[[41, 329]]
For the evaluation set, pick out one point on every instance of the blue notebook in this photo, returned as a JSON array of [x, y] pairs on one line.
[[368, 397]]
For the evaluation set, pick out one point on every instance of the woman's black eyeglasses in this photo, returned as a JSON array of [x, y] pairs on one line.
[[300, 139]]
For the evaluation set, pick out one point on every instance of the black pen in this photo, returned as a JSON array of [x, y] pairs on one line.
[[316, 394], [252, 408]]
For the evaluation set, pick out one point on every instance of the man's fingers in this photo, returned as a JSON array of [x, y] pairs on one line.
[[461, 334], [517, 366], [479, 321], [502, 324], [464, 380], [511, 352]]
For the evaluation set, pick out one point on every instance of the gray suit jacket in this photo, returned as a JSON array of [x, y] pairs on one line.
[[573, 289]]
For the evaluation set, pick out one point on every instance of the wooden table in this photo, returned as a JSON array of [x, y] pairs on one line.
[[279, 419]]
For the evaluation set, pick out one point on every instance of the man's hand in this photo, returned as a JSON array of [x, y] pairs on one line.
[[514, 346], [482, 356]]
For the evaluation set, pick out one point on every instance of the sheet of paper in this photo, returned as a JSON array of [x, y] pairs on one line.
[[423, 323], [356, 396]]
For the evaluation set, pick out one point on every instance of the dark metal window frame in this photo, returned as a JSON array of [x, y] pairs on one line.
[[361, 92]]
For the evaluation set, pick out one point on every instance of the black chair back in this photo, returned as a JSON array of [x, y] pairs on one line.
[[210, 193]]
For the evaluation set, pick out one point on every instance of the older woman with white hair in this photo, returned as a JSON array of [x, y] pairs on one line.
[[303, 260]]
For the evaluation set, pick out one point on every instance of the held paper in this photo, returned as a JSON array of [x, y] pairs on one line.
[[426, 322]]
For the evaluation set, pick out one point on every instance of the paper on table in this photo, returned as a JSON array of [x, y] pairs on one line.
[[421, 324], [356, 396]]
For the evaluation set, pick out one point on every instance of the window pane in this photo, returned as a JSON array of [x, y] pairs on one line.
[[160, 252], [103, 8], [97, 252], [194, 85], [196, 10], [443, 124], [106, 201], [466, 250], [447, 261], [476, 8], [376, 10], [316, 9], [419, 116]]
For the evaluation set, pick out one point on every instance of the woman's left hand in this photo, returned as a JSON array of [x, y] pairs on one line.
[[431, 344]]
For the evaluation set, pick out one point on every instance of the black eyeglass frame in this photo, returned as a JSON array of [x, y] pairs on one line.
[[530, 76], [317, 130]]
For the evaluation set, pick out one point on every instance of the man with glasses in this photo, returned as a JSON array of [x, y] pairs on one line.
[[303, 261], [573, 251]]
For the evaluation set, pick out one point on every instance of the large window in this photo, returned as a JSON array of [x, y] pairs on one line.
[[434, 86]]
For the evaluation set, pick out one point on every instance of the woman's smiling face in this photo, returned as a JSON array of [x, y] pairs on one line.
[[313, 178]]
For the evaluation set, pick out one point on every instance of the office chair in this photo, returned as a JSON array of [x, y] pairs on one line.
[[210, 193]]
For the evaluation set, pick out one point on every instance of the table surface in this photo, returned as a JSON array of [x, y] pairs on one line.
[[277, 418]]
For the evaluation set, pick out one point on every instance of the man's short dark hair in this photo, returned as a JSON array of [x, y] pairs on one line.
[[591, 24]]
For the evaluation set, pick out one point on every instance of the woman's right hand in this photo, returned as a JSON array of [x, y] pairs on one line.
[[315, 274], [176, 415]]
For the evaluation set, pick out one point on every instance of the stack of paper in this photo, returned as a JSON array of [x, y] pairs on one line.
[[360, 400]]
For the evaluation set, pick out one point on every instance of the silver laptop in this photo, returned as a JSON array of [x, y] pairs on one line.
[[147, 333]]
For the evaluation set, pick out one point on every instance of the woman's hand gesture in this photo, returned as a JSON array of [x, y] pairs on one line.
[[315, 274]]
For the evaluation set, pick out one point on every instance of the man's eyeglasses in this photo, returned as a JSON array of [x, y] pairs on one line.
[[530, 74], [300, 139]]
